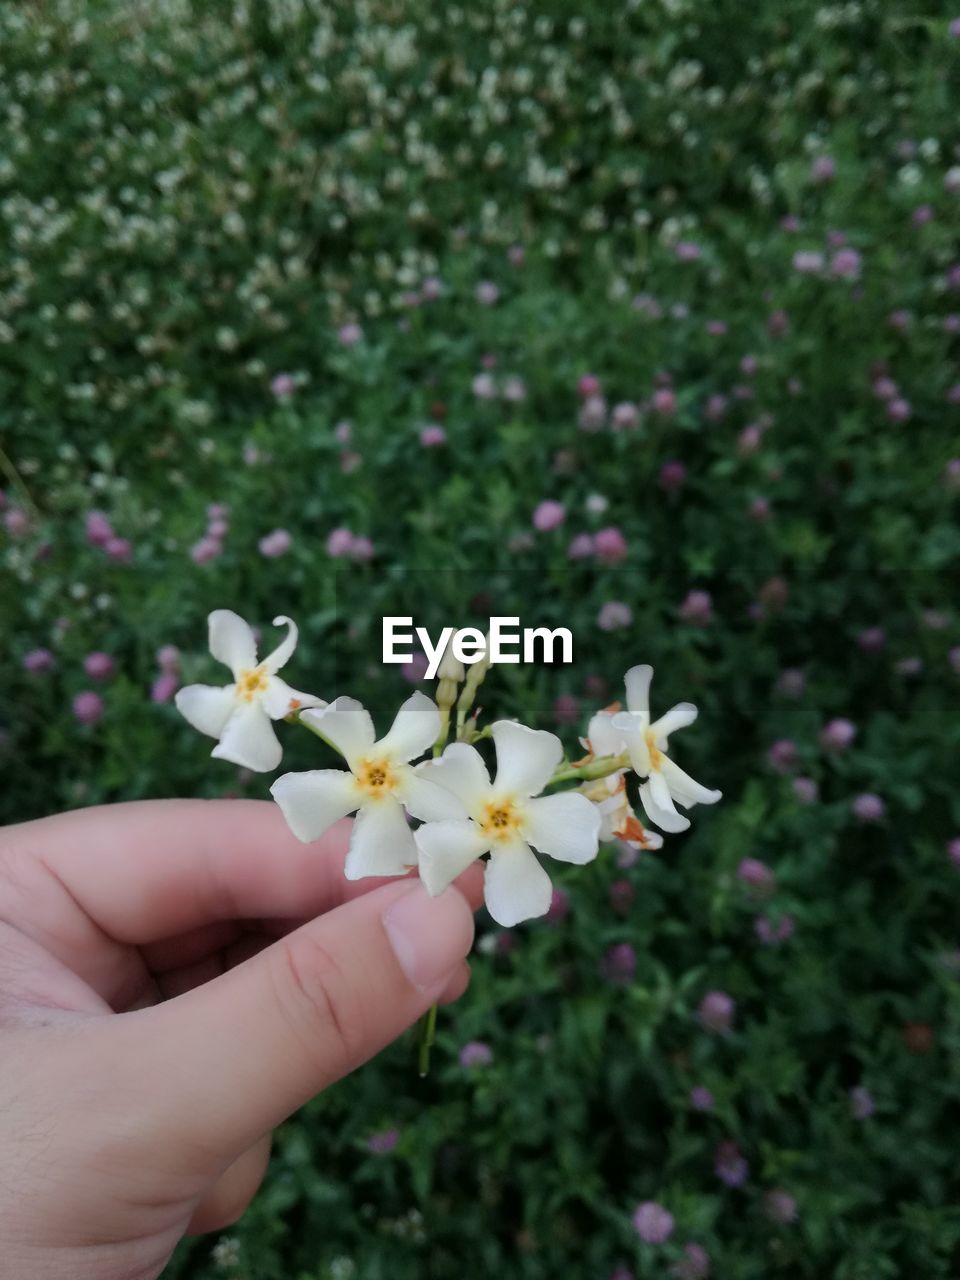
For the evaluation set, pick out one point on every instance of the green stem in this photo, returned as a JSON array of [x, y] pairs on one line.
[[428, 1031], [602, 767], [15, 478]]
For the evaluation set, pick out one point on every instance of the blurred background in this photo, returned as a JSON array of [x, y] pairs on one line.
[[646, 316]]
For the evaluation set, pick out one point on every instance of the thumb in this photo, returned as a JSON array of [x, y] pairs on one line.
[[224, 1063]]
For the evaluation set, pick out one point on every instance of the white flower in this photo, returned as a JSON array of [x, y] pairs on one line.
[[505, 818], [609, 794], [239, 714], [666, 782], [378, 783]]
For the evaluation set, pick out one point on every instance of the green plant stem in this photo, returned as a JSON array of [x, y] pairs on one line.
[[428, 1031], [602, 767]]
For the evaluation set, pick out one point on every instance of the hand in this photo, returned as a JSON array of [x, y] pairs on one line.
[[176, 978]]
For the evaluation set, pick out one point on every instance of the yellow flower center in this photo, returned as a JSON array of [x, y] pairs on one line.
[[252, 682], [376, 777], [500, 820], [656, 755]]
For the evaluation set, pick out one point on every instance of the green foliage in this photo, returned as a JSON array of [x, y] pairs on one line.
[[195, 197]]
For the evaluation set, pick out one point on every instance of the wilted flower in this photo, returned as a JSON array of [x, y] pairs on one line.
[[238, 715], [506, 818]]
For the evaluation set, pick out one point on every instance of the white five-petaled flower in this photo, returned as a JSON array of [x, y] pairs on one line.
[[239, 714], [505, 818], [377, 784], [665, 782]]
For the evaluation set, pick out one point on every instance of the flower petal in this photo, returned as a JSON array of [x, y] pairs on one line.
[[314, 800], [637, 681], [604, 737], [461, 770], [515, 885], [446, 850], [635, 740], [683, 788], [526, 758], [414, 730], [248, 739], [428, 800], [279, 699], [346, 725], [677, 717], [659, 807], [284, 650], [232, 641], [206, 707], [565, 826], [381, 843]]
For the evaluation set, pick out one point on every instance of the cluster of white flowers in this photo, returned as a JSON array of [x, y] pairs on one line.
[[413, 772]]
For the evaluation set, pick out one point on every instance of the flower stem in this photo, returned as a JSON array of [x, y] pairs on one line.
[[428, 1031], [598, 768]]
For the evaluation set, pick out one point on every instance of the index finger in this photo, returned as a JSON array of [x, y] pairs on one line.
[[148, 869]]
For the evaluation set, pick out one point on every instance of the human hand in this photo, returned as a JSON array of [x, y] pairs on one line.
[[176, 978]]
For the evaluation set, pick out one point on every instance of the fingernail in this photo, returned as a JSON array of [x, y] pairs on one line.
[[429, 936]]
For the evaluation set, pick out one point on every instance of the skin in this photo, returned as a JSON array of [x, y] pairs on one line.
[[176, 978]]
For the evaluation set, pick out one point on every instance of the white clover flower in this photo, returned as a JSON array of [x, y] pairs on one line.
[[504, 819], [239, 714], [377, 784], [666, 783]]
